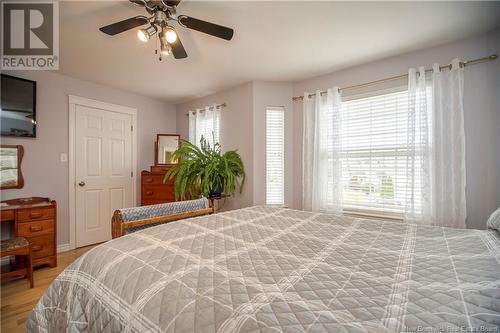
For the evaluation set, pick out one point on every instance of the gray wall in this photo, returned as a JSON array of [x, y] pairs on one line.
[[246, 110], [43, 172], [243, 126], [481, 104], [271, 94], [236, 131]]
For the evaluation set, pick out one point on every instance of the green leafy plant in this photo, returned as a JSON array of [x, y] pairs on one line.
[[205, 170]]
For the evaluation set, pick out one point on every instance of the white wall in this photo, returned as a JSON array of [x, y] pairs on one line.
[[243, 127], [44, 174], [481, 104], [236, 131], [271, 94]]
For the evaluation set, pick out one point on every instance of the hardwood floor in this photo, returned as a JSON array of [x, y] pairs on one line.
[[18, 299]]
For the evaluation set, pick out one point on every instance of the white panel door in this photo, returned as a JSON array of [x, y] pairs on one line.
[[103, 171]]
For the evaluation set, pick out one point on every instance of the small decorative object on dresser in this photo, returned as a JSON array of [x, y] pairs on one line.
[[153, 190], [36, 220]]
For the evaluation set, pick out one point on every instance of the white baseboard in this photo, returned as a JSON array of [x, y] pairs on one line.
[[63, 248]]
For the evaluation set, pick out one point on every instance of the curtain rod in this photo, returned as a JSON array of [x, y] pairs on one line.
[[462, 64], [222, 105]]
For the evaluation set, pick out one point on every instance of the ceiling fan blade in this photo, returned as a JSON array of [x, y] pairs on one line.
[[206, 27], [124, 25], [138, 2], [171, 3], [178, 49]]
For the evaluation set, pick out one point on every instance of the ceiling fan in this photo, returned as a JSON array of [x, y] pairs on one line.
[[158, 23]]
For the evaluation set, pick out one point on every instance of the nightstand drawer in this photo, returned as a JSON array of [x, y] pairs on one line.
[[7, 215], [26, 215], [35, 228], [42, 246]]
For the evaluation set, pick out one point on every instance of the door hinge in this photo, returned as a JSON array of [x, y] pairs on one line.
[[132, 174], [131, 127]]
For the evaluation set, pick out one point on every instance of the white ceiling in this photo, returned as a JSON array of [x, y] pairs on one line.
[[273, 41]]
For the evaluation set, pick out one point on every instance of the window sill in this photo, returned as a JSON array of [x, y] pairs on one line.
[[373, 214]]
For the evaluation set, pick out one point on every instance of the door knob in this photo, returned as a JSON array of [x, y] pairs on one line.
[[82, 183]]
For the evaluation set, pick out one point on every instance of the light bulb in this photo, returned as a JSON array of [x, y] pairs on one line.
[[164, 47], [165, 50], [142, 34], [171, 36], [146, 33]]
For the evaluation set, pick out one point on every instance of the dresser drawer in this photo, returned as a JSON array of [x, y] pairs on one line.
[[26, 215], [161, 169], [153, 180], [155, 202], [165, 191], [42, 246], [35, 228], [7, 215]]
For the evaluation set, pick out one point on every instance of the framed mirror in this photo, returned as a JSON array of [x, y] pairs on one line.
[[11, 157], [166, 144]]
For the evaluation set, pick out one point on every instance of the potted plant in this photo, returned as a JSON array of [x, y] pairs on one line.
[[205, 171]]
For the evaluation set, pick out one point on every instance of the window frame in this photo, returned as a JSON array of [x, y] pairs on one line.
[[383, 213], [281, 110]]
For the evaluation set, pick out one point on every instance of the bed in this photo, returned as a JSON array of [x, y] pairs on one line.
[[264, 269]]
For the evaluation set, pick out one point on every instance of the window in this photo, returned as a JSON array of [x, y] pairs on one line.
[[275, 142], [205, 122], [373, 155]]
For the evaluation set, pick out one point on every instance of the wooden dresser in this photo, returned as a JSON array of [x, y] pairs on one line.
[[153, 190], [36, 220]]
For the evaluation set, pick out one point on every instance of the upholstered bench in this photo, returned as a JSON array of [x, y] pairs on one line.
[[18, 246], [128, 220]]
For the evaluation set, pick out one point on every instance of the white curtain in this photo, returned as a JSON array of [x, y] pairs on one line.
[[436, 142], [322, 169], [205, 122]]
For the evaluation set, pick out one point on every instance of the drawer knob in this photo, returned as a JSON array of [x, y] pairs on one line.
[[35, 215], [36, 248], [149, 180], [149, 192], [36, 228]]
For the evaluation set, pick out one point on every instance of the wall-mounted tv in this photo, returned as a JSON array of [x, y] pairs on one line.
[[18, 107]]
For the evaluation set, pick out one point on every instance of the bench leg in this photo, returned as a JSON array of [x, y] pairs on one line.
[[30, 269]]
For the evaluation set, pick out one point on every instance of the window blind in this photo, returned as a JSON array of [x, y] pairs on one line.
[[275, 145], [374, 150]]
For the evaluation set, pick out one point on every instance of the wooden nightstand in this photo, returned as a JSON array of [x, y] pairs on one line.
[[36, 220]]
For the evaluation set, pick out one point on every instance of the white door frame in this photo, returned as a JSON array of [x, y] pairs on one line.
[[73, 102]]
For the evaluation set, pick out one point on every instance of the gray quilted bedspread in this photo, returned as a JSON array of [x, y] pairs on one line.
[[263, 269]]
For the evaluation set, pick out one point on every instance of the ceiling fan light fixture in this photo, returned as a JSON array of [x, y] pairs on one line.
[[170, 35], [165, 48], [146, 33], [156, 26]]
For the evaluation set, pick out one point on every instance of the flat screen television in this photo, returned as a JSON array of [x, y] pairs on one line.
[[18, 107]]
